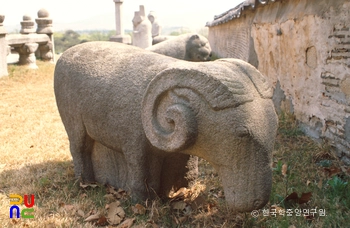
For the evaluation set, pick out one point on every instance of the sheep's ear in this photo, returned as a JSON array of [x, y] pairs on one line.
[[260, 81]]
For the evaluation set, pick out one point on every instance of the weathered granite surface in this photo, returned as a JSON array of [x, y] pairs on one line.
[[134, 117]]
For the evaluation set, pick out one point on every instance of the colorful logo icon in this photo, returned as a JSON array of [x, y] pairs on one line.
[[16, 200]]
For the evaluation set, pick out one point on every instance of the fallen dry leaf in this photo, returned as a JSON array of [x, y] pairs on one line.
[[80, 213], [84, 195], [122, 191], [182, 219], [127, 223], [179, 220], [155, 225], [277, 208], [102, 221], [320, 183], [305, 197], [308, 182], [284, 169], [117, 194], [68, 207], [178, 205], [198, 202], [138, 209], [92, 218], [86, 185], [332, 171], [115, 213], [293, 197], [110, 189], [109, 197], [178, 194]]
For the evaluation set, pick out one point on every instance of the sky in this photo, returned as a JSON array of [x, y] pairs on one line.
[[66, 13]]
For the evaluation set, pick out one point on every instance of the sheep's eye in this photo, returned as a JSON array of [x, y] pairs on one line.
[[242, 132]]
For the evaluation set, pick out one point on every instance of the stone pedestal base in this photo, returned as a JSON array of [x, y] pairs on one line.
[[3, 53], [125, 39], [27, 55]]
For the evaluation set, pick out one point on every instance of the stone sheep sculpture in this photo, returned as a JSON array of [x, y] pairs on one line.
[[190, 47], [151, 113]]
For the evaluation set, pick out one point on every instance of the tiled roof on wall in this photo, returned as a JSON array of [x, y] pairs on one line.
[[235, 12]]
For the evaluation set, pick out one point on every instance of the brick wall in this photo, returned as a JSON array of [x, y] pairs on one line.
[[306, 56]]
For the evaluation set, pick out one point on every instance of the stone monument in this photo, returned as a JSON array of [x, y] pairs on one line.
[[3, 48], [142, 29], [156, 27], [151, 112], [119, 25]]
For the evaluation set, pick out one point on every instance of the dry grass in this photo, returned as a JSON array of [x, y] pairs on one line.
[[35, 159]]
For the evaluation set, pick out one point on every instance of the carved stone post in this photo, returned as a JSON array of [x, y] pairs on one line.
[[119, 26], [27, 55], [47, 51], [3, 48]]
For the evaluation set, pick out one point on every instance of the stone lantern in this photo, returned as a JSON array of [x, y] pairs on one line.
[[44, 22], [27, 25], [46, 51]]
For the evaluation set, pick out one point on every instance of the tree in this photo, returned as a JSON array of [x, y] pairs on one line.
[[67, 40]]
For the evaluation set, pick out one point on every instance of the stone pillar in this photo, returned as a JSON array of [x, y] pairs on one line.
[[46, 51], [119, 26], [27, 55], [27, 25], [3, 48]]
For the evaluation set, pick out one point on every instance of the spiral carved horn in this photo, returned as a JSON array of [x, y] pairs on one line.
[[168, 119]]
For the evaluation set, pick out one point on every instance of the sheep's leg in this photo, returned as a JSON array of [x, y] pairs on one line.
[[81, 145], [143, 169]]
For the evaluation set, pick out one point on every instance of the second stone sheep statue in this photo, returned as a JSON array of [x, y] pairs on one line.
[[151, 113], [190, 47]]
